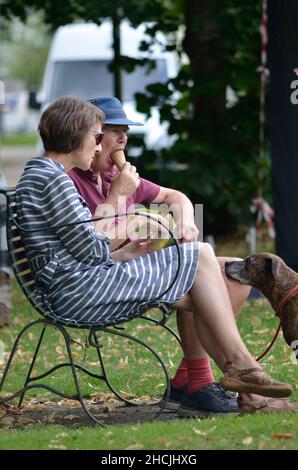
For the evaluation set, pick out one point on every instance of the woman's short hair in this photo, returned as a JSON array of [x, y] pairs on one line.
[[63, 126]]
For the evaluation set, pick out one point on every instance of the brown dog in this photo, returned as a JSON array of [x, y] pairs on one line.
[[270, 275]]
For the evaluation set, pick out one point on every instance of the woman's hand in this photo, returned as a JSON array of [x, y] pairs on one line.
[[132, 250]]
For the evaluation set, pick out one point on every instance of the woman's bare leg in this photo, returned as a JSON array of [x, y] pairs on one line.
[[191, 345], [213, 314]]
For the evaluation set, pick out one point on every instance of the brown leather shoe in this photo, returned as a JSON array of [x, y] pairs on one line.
[[254, 380], [268, 405]]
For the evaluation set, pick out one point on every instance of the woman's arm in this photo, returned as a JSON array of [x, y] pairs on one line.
[[63, 206]]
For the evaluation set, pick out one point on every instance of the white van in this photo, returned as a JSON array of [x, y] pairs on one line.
[[78, 66]]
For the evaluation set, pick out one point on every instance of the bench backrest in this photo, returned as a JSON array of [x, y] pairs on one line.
[[19, 260]]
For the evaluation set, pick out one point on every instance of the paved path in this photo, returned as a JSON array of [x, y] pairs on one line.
[[13, 160]]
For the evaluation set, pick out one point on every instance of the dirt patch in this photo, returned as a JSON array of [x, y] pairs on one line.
[[62, 413]]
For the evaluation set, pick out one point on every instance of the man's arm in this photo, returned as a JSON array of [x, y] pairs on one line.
[[182, 210], [122, 187]]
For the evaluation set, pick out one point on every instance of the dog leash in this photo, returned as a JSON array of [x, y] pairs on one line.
[[279, 309], [271, 344]]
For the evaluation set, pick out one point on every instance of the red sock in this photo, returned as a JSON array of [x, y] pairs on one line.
[[181, 376], [199, 374]]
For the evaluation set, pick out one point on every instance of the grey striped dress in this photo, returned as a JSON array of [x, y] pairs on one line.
[[76, 276]]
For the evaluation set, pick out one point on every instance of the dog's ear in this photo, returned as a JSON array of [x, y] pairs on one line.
[[272, 267], [276, 265]]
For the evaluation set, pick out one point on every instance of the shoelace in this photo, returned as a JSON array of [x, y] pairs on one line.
[[220, 392]]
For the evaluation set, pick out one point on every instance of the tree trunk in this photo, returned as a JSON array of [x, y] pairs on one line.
[[116, 19], [202, 44]]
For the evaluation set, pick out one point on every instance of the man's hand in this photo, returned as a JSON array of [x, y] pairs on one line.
[[126, 182], [186, 232]]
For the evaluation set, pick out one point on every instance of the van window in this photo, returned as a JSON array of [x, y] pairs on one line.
[[85, 79]]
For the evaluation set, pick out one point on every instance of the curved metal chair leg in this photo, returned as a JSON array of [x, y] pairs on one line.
[[13, 351], [28, 386], [149, 348], [32, 365], [75, 377], [74, 366]]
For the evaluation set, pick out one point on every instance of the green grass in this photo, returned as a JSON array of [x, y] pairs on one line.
[[19, 140], [132, 371], [250, 432]]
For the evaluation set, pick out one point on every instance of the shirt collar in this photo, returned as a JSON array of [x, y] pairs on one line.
[[87, 174]]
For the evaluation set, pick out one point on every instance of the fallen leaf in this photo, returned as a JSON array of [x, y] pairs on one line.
[[211, 429], [7, 421], [25, 421], [135, 446], [247, 440], [282, 436], [38, 407], [62, 434], [71, 417], [262, 332], [200, 433], [164, 442], [51, 418], [128, 394]]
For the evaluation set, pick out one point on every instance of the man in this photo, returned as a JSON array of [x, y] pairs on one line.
[[193, 389]]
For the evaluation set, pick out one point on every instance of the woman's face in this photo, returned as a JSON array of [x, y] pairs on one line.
[[115, 138], [83, 157]]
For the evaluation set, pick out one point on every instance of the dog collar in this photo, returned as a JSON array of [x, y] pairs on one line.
[[285, 299]]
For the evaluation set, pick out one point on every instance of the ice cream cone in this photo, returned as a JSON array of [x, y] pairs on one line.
[[159, 244], [118, 158]]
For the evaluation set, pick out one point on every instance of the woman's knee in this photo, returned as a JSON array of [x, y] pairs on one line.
[[206, 251], [185, 303]]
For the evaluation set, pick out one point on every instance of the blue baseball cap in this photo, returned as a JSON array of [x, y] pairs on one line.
[[113, 110]]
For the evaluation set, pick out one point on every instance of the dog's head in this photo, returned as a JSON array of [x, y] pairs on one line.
[[255, 270]]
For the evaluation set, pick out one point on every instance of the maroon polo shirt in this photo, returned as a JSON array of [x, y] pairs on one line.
[[86, 184]]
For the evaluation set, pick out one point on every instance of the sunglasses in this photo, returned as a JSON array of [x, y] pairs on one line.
[[98, 136]]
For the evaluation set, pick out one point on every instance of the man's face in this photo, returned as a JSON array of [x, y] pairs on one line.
[[115, 138]]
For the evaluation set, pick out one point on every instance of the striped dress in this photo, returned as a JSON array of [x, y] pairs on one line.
[[77, 278]]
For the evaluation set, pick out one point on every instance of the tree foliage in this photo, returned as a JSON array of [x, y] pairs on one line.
[[218, 142], [27, 47]]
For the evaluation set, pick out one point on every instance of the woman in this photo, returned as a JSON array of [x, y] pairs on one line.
[[82, 282]]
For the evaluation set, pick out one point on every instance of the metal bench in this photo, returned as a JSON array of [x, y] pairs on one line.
[[30, 288]]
